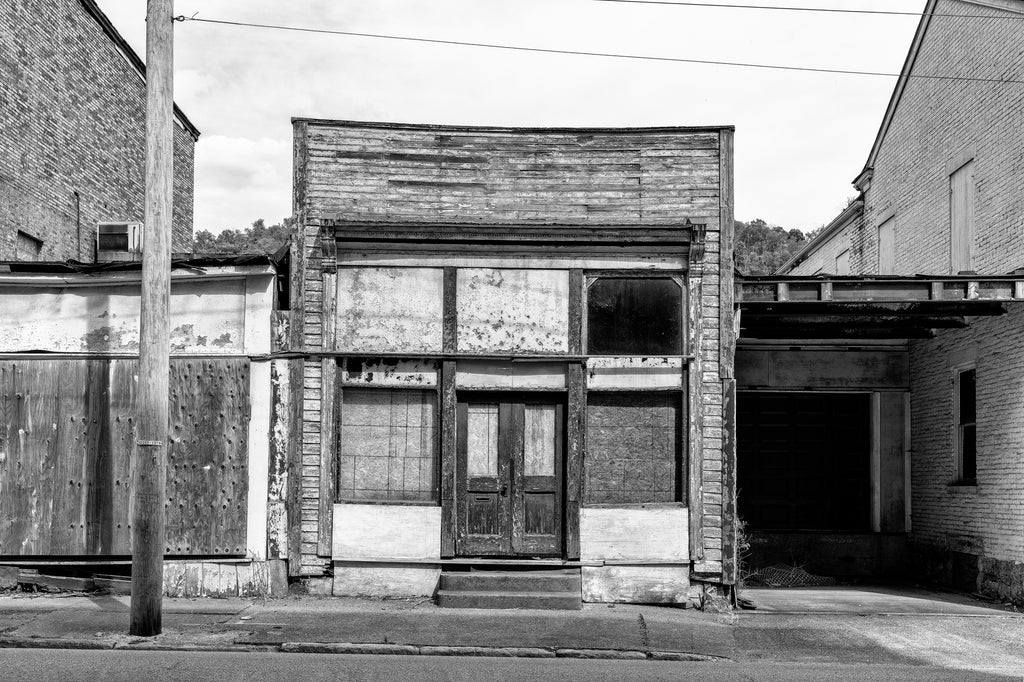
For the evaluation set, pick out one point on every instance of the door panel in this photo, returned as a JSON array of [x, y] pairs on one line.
[[509, 472]]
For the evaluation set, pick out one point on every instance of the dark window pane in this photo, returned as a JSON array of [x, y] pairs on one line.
[[633, 448], [969, 453], [638, 316], [113, 242], [967, 396]]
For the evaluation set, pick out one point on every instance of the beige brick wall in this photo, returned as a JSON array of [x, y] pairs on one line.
[[987, 520], [940, 123], [73, 120], [823, 258]]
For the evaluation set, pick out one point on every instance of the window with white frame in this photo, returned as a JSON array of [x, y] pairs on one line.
[[965, 400]]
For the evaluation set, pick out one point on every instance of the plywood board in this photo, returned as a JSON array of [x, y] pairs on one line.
[[516, 311], [207, 317], [66, 440], [636, 584], [381, 531], [634, 534], [634, 373], [389, 309], [385, 580], [486, 374]]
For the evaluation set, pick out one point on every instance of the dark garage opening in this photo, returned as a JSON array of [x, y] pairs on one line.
[[804, 461]]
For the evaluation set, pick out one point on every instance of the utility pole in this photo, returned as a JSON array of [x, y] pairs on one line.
[[150, 456]]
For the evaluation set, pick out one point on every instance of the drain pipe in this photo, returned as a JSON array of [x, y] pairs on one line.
[[78, 221]]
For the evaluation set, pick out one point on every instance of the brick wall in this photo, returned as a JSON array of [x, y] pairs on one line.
[[988, 520], [937, 125], [823, 258], [72, 143], [441, 174]]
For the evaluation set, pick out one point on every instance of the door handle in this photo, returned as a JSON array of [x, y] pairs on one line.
[[504, 490]]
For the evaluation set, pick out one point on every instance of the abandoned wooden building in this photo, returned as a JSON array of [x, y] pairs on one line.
[[510, 349]]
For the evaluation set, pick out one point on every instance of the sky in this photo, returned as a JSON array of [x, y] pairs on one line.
[[801, 138]]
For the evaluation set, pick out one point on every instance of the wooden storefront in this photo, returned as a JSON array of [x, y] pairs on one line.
[[515, 351]]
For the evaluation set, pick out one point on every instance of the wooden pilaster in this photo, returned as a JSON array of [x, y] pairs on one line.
[[449, 433], [576, 434]]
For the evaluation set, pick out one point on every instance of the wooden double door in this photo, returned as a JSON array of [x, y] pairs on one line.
[[509, 475]]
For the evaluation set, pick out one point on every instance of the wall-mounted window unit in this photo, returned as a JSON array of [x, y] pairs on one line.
[[118, 242]]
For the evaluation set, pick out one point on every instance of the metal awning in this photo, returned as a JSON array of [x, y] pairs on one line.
[[869, 307]]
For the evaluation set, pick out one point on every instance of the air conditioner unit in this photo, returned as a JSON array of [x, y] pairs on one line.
[[118, 242]]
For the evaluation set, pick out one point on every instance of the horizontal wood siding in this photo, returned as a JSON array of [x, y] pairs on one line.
[[66, 437], [509, 176]]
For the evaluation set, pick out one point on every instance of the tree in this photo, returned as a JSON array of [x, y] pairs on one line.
[[253, 240], [761, 249]]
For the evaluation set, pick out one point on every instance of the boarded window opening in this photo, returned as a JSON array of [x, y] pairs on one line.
[[388, 448], [633, 448], [634, 316], [961, 219], [967, 434], [28, 247]]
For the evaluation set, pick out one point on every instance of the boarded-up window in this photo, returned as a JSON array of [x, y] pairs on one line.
[[634, 316], [633, 448], [519, 311], [843, 263], [67, 437], [887, 247], [28, 247], [967, 434], [390, 309], [961, 219], [388, 445]]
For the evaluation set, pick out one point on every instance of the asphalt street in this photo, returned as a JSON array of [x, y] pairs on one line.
[[114, 666]]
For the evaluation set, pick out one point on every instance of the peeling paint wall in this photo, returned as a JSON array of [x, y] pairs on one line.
[[407, 373], [207, 317], [389, 309], [519, 311]]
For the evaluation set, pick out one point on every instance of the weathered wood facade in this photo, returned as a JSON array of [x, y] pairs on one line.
[[515, 347], [68, 377]]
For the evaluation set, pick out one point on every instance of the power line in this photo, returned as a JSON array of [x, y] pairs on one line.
[[583, 53], [815, 9]]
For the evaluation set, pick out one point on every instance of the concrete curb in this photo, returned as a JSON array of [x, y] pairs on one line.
[[52, 643], [494, 652], [354, 648]]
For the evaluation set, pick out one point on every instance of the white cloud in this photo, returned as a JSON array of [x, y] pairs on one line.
[[239, 180], [800, 137]]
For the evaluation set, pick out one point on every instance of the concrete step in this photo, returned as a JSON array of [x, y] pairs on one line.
[[511, 581], [564, 601]]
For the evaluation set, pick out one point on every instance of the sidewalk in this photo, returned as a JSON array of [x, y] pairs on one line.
[[796, 626]]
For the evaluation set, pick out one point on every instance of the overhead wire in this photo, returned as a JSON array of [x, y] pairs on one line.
[[833, 10], [587, 53]]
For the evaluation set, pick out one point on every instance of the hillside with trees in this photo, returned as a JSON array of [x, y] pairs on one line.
[[252, 240], [761, 249]]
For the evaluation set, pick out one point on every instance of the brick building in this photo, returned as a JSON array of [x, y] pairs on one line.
[[516, 352], [72, 139], [941, 196]]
